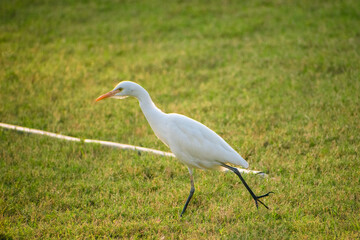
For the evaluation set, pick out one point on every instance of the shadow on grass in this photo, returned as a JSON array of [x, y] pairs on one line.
[[5, 237]]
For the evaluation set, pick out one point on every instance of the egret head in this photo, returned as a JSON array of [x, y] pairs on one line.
[[122, 90]]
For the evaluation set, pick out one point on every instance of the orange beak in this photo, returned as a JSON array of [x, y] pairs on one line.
[[107, 95]]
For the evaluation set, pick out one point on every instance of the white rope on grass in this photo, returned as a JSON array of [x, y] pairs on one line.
[[104, 143]]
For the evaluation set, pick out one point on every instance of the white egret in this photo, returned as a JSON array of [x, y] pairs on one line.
[[193, 143]]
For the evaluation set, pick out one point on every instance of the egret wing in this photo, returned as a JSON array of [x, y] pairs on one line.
[[197, 145]]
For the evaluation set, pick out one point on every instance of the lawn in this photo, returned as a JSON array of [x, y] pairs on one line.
[[278, 80]]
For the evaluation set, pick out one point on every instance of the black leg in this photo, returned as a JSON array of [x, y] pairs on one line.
[[256, 198], [192, 190]]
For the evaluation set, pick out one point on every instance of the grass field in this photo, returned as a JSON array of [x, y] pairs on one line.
[[278, 80]]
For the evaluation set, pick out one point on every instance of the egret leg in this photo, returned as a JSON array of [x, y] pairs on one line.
[[256, 198], [192, 190]]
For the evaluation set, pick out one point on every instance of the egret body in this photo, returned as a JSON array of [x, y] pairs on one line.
[[194, 144]]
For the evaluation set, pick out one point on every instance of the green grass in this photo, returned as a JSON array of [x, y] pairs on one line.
[[278, 80]]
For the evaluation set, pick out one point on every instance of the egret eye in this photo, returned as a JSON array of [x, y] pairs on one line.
[[120, 89]]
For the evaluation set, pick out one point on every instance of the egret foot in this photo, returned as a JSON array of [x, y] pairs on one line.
[[256, 198]]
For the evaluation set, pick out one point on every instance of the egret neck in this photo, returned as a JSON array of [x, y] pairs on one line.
[[154, 116]]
